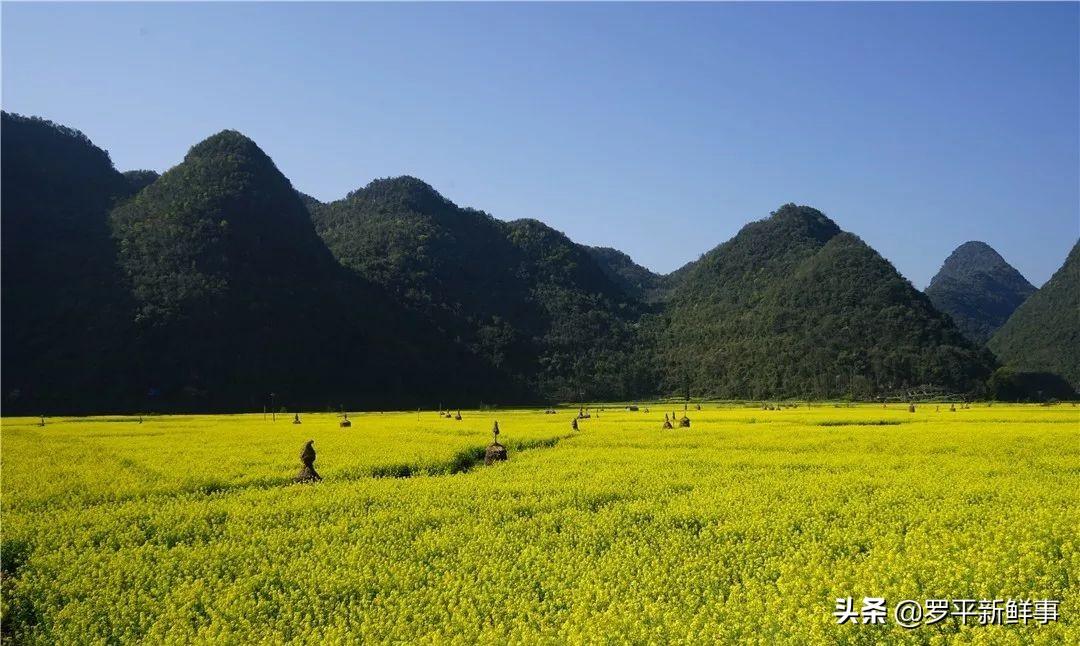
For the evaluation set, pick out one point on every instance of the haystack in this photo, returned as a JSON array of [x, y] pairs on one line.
[[684, 422], [296, 419], [495, 452], [345, 423], [307, 459]]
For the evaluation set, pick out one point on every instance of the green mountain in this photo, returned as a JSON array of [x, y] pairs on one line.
[[140, 179], [1043, 334], [215, 284], [63, 314], [978, 289], [637, 281], [793, 306], [237, 297], [520, 295]]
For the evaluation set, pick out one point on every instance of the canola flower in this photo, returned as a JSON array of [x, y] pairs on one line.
[[743, 528]]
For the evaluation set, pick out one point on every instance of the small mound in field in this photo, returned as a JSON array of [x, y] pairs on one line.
[[307, 459], [495, 452]]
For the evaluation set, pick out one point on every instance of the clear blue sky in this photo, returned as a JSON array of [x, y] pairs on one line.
[[656, 129]]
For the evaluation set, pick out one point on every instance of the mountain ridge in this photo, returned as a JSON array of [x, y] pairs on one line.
[[1043, 334], [978, 289], [793, 305], [217, 282]]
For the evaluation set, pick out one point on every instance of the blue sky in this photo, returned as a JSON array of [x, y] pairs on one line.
[[656, 129]]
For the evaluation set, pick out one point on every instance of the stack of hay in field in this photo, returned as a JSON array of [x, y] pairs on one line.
[[684, 422], [307, 459], [667, 422], [495, 452], [345, 423]]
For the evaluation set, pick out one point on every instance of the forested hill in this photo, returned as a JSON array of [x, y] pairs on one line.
[[637, 281], [1043, 334], [64, 315], [204, 289], [792, 305], [218, 286], [520, 295], [237, 296], [139, 179], [978, 289]]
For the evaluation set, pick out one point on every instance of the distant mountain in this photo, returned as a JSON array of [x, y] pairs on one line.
[[140, 179], [794, 306], [521, 295], [637, 281], [1043, 334], [308, 201], [217, 283], [237, 297], [978, 289], [64, 314]]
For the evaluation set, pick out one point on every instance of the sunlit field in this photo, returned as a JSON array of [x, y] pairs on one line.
[[747, 526]]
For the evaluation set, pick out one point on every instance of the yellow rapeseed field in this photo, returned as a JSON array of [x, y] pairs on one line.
[[745, 527]]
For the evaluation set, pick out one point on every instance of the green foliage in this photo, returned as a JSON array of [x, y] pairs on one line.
[[63, 315], [1043, 335], [978, 289], [217, 283], [635, 280], [140, 179], [793, 306], [1009, 385], [238, 297], [520, 295]]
